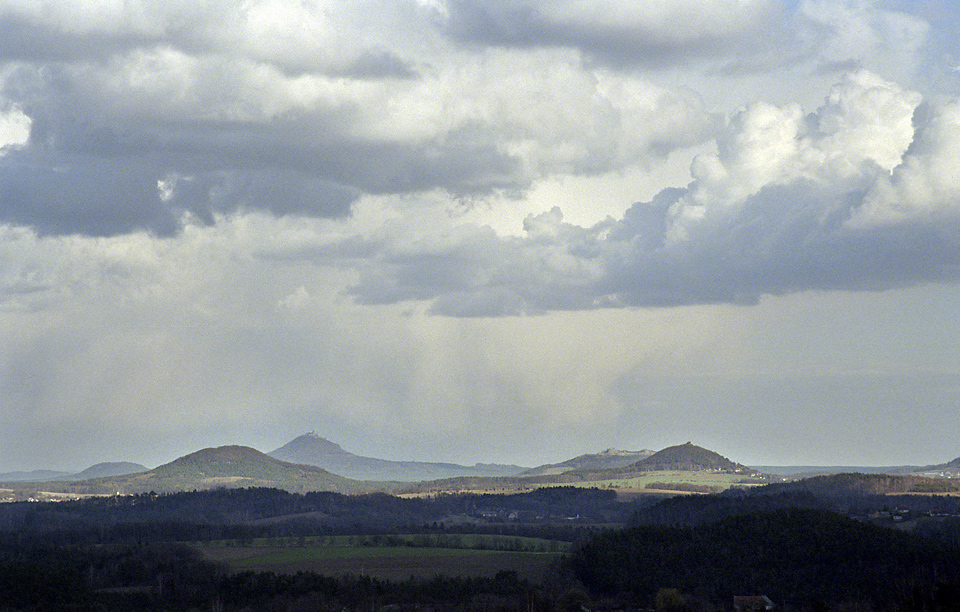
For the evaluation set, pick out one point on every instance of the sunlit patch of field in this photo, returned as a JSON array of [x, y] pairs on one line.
[[638, 484], [714, 481]]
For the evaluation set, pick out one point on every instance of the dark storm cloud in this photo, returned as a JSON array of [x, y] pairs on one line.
[[78, 177], [785, 239], [81, 195]]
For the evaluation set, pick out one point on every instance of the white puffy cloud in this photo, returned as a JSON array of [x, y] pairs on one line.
[[784, 204], [924, 189], [244, 132], [14, 128], [301, 108]]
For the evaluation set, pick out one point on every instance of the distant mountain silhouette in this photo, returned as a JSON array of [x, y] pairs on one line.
[[100, 470], [106, 470], [32, 476], [311, 449], [610, 458], [951, 466], [688, 457], [227, 467]]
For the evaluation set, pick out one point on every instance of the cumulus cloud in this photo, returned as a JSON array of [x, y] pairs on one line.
[[296, 109], [856, 195], [301, 108]]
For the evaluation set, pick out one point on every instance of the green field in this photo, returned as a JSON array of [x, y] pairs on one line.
[[382, 557], [716, 481]]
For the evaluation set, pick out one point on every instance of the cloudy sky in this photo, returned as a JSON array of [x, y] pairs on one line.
[[480, 230]]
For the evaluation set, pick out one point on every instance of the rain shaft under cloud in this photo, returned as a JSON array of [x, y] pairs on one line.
[[235, 221]]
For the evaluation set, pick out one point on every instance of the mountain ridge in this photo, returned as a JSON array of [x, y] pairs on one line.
[[312, 449], [240, 466], [108, 469], [231, 466]]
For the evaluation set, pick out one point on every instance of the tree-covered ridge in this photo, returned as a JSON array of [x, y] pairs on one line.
[[789, 555], [860, 495], [285, 512], [866, 484]]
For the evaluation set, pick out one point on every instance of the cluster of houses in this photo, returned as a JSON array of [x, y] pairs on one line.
[[902, 513]]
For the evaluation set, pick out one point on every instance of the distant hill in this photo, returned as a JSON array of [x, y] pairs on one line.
[[241, 466], [950, 468], [864, 484], [311, 449], [222, 467], [32, 476], [610, 458], [682, 458], [106, 470], [100, 470], [806, 471], [688, 457]]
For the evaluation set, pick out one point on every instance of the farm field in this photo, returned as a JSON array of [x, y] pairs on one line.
[[713, 481], [629, 486], [384, 563], [392, 557]]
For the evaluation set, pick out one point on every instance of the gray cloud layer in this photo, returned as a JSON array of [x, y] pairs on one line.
[[147, 117], [618, 33]]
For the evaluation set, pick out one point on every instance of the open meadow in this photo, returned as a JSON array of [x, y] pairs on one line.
[[391, 557]]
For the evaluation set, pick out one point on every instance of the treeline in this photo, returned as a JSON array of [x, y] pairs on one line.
[[168, 577], [803, 556], [855, 495], [553, 514]]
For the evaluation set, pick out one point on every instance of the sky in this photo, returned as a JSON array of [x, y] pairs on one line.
[[472, 231]]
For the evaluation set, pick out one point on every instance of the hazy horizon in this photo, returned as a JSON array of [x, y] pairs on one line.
[[480, 231], [359, 452]]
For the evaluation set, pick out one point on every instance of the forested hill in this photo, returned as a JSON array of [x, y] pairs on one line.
[[282, 511], [865, 484], [789, 555], [689, 457], [852, 494]]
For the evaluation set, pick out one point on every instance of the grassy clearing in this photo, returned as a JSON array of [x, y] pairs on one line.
[[391, 557]]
